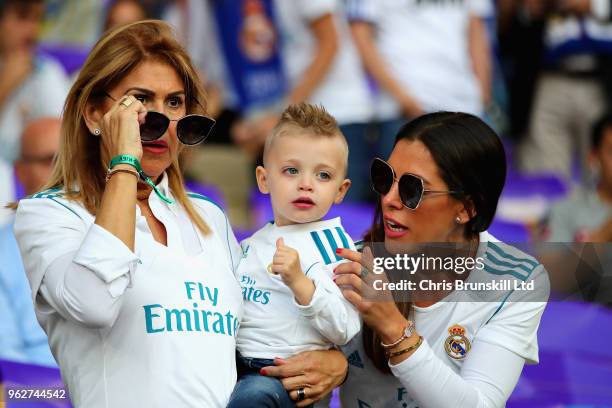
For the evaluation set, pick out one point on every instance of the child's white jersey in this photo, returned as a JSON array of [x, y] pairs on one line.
[[274, 324]]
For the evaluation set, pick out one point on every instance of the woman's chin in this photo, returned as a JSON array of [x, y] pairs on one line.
[[154, 168], [153, 173]]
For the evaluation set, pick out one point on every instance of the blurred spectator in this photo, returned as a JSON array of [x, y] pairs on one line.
[[425, 55], [30, 86], [195, 28], [39, 143], [7, 191], [520, 29], [317, 57], [121, 12], [22, 337], [574, 88], [322, 66], [587, 215]]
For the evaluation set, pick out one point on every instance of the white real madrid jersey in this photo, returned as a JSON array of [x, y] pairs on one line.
[[450, 329], [274, 325], [155, 327]]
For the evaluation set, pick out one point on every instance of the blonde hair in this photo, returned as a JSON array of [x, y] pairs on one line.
[[313, 119], [79, 163]]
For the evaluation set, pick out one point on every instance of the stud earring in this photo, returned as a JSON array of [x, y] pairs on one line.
[[458, 220], [96, 132]]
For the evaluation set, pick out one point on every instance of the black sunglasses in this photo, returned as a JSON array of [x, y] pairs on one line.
[[190, 129], [411, 188]]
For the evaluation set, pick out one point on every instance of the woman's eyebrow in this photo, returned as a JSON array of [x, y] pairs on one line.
[[152, 93], [142, 90]]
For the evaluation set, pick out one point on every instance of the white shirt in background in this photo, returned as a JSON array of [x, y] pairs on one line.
[[425, 46], [197, 32], [274, 325], [155, 327], [42, 94], [7, 191], [344, 91]]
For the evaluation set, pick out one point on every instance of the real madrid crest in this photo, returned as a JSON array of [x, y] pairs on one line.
[[457, 345]]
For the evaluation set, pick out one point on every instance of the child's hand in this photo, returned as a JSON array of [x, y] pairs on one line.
[[286, 263]]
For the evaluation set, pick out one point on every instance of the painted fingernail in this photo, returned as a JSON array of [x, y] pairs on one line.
[[338, 250], [262, 372]]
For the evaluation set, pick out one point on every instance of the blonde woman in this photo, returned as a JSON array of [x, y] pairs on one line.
[[132, 277]]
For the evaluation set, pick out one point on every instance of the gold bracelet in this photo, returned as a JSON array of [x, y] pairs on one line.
[[407, 349], [110, 173]]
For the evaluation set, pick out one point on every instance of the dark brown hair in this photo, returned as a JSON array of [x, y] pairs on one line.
[[471, 160]]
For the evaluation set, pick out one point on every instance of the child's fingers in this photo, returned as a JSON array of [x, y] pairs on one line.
[[279, 258], [277, 269], [280, 243]]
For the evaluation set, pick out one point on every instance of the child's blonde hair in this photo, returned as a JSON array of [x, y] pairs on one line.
[[313, 119]]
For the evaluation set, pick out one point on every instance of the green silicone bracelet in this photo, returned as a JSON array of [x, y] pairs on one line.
[[125, 159], [133, 161]]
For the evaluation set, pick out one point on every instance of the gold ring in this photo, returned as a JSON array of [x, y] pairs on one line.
[[126, 101]]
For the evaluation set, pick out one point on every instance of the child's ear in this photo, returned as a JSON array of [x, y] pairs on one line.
[[262, 179], [346, 183]]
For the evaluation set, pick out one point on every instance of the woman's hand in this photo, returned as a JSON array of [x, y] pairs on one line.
[[120, 127], [317, 372], [377, 307]]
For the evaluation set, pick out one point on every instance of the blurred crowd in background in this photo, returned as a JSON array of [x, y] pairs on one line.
[[538, 71]]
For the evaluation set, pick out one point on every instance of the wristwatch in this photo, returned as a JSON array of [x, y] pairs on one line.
[[408, 332]]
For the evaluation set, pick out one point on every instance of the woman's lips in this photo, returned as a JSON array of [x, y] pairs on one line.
[[394, 229], [155, 147], [303, 203]]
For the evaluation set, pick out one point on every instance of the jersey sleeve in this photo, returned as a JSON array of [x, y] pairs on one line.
[[481, 383], [77, 270], [311, 10], [363, 10], [329, 312], [480, 8], [514, 323], [324, 243]]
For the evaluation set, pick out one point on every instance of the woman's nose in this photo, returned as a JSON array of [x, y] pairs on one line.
[[392, 198], [155, 105]]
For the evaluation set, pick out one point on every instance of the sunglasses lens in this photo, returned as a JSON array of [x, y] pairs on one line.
[[193, 129], [154, 126], [410, 190], [381, 176]]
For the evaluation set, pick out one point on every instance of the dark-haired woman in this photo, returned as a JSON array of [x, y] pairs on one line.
[[441, 184]]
